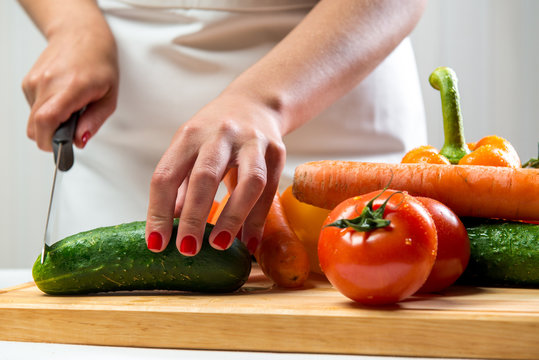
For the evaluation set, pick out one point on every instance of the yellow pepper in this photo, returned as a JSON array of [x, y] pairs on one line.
[[306, 221]]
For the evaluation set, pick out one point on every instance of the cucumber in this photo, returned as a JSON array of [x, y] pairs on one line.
[[116, 258], [503, 253]]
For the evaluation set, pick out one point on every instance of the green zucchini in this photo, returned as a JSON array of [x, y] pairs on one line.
[[503, 253], [116, 258]]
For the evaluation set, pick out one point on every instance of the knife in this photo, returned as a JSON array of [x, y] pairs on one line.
[[62, 146]]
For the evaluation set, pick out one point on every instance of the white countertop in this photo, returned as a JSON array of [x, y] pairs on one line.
[[10, 350]]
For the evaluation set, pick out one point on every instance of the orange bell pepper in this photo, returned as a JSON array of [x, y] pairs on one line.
[[491, 150], [425, 154]]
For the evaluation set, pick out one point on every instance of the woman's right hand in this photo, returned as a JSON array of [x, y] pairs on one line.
[[78, 68]]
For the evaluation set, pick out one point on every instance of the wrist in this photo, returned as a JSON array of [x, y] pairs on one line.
[[61, 18], [71, 27], [275, 102]]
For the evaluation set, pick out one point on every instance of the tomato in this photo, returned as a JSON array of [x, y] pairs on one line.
[[453, 246], [378, 265], [306, 221]]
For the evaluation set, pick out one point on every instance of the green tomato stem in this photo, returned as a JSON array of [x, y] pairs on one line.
[[445, 80], [369, 219]]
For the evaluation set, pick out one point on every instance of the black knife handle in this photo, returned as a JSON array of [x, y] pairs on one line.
[[64, 135]]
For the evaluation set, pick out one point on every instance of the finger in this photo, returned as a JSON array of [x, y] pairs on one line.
[[252, 174], [170, 173], [45, 118], [253, 226], [39, 77], [29, 86], [93, 117], [38, 114], [31, 124], [57, 109], [180, 198], [204, 180]]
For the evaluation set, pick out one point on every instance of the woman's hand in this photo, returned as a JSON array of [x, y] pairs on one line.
[[78, 68], [233, 131], [336, 46]]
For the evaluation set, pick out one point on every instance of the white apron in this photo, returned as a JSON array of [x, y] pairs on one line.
[[176, 56]]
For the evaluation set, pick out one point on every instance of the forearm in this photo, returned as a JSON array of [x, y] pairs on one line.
[[60, 16], [335, 47]]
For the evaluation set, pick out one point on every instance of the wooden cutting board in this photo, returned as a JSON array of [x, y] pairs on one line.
[[461, 322]]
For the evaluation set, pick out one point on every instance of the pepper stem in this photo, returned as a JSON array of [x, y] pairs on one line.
[[533, 162], [445, 80]]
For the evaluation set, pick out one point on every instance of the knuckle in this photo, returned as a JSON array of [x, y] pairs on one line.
[[227, 128], [231, 220], [42, 117], [192, 222], [254, 225], [258, 135], [161, 176], [47, 76], [159, 219], [189, 131], [206, 174], [257, 178], [277, 150], [77, 81], [30, 81], [276, 157]]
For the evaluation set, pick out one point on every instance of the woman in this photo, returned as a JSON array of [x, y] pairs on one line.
[[198, 87]]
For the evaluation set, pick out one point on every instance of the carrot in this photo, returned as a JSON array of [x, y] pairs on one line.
[[216, 212], [281, 254], [214, 208], [469, 190]]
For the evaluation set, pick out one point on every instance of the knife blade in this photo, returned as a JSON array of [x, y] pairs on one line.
[[62, 146]]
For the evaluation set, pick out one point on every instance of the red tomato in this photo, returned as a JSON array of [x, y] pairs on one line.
[[383, 265], [453, 246]]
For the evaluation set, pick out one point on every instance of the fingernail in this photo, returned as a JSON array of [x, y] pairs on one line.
[[188, 245], [155, 241], [85, 137], [222, 240], [252, 244]]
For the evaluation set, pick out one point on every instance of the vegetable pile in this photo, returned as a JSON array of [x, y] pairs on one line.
[[379, 232], [424, 224]]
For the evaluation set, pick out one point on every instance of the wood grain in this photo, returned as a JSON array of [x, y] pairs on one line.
[[461, 322]]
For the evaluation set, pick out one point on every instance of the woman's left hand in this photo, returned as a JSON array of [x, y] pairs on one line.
[[233, 131]]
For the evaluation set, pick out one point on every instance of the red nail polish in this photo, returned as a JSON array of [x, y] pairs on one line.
[[222, 240], [188, 246], [85, 137], [252, 245], [155, 241]]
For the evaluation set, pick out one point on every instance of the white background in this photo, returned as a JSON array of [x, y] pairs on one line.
[[491, 44]]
